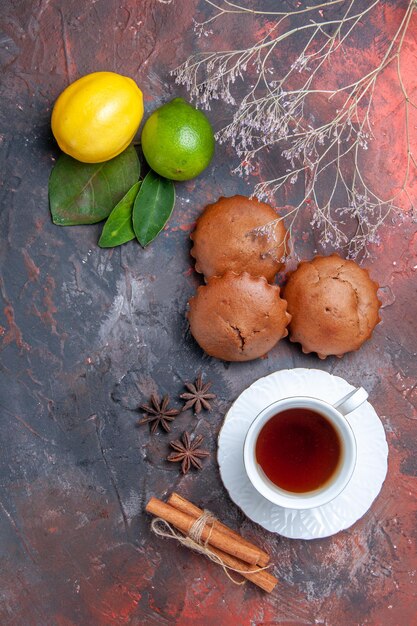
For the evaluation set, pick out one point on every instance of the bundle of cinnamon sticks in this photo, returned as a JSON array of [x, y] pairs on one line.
[[233, 551]]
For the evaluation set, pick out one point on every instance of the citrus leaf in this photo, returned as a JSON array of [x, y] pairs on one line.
[[153, 207], [85, 193], [118, 228]]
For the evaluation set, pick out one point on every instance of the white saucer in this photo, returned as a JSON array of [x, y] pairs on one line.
[[347, 507]]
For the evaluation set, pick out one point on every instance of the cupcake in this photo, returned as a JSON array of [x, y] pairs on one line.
[[333, 304], [238, 317], [241, 235]]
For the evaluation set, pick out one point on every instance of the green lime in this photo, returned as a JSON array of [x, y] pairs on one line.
[[178, 140]]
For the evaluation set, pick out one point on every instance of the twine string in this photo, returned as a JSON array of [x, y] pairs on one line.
[[193, 540], [199, 525]]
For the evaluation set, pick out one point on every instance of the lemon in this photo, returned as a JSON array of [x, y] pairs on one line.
[[96, 117], [178, 140]]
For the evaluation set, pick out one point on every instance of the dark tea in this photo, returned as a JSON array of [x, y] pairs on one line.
[[299, 450]]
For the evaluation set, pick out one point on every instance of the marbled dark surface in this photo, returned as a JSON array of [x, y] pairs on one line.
[[87, 334]]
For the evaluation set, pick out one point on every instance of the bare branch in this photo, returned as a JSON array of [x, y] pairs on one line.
[[273, 114]]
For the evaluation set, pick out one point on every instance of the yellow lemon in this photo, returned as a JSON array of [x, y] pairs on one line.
[[96, 117]]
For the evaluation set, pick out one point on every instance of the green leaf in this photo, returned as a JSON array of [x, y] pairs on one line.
[[153, 207], [118, 228], [85, 193]]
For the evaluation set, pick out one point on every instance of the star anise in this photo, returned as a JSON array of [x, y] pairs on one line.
[[158, 413], [197, 395], [187, 452]]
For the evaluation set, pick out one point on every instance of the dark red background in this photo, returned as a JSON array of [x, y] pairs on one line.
[[87, 334]]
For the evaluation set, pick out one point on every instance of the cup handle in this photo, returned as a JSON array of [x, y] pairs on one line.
[[351, 401]]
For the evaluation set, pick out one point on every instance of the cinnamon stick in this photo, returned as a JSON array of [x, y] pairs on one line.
[[217, 539], [185, 506], [261, 578]]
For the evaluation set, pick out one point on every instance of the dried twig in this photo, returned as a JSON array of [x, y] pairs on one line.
[[275, 112]]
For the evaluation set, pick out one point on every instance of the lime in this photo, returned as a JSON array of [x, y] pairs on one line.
[[178, 140]]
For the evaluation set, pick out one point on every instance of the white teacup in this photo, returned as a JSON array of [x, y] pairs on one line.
[[335, 414]]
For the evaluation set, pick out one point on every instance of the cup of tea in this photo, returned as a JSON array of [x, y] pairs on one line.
[[300, 452]]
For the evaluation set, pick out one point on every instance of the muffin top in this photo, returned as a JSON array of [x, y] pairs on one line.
[[333, 304], [241, 235], [237, 317]]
